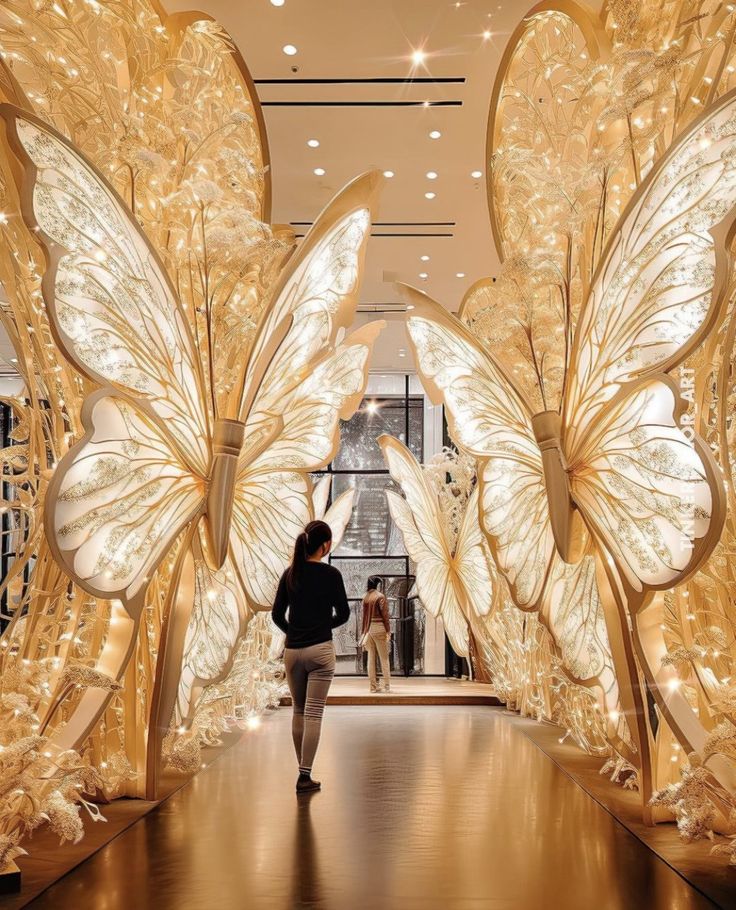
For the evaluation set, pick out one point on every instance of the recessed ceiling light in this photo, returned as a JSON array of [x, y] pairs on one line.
[[277, 2], [486, 35], [388, 173], [476, 175], [289, 50], [435, 134], [319, 171], [424, 258], [429, 195], [410, 306], [14, 360], [431, 175], [460, 275], [423, 276], [313, 143], [418, 56]]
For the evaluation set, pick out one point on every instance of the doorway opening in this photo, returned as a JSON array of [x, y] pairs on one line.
[[372, 544]]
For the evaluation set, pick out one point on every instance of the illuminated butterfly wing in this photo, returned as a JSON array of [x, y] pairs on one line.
[[121, 494], [653, 496], [572, 610], [490, 419], [112, 306], [315, 298], [474, 564], [419, 520], [219, 615], [321, 496], [648, 487], [338, 515], [118, 499], [306, 386], [298, 385]]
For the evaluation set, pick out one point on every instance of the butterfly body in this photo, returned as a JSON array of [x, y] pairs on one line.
[[227, 444], [565, 520]]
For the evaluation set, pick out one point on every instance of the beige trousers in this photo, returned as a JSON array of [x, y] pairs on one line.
[[376, 642], [309, 673]]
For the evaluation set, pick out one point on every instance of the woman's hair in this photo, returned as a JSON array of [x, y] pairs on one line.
[[307, 543], [375, 583]]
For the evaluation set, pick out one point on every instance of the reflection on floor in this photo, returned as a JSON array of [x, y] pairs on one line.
[[413, 690], [423, 808]]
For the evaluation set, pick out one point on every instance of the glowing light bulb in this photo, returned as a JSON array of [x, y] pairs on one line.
[[476, 175], [319, 171], [431, 175], [429, 195], [388, 174], [435, 134], [418, 56], [313, 143], [289, 50]]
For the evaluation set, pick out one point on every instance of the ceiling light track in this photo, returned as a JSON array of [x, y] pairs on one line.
[[361, 103], [397, 234], [390, 223]]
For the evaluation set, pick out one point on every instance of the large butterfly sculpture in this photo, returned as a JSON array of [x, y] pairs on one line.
[[619, 467], [617, 455], [455, 578], [157, 463]]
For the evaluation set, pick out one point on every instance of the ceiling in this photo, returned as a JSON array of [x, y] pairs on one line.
[[370, 125]]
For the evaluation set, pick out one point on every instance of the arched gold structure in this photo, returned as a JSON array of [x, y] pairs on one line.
[[152, 522], [611, 197]]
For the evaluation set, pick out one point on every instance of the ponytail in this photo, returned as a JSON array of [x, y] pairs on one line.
[[306, 544]]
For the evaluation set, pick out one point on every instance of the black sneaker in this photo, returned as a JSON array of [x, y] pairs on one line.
[[305, 784]]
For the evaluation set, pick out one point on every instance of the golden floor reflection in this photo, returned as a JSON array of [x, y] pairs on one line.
[[422, 808]]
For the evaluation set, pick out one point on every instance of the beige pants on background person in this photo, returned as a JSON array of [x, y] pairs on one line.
[[377, 641]]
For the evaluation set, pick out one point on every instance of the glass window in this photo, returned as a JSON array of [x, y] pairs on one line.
[[372, 545], [358, 447], [371, 530]]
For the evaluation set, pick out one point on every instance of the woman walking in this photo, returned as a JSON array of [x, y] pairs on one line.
[[376, 633], [314, 594]]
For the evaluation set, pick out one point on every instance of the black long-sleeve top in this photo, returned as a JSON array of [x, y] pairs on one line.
[[317, 606]]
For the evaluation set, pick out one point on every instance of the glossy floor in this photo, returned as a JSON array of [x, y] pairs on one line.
[[423, 807]]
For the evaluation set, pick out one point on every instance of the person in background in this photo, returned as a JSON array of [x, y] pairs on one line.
[[314, 594], [376, 633]]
